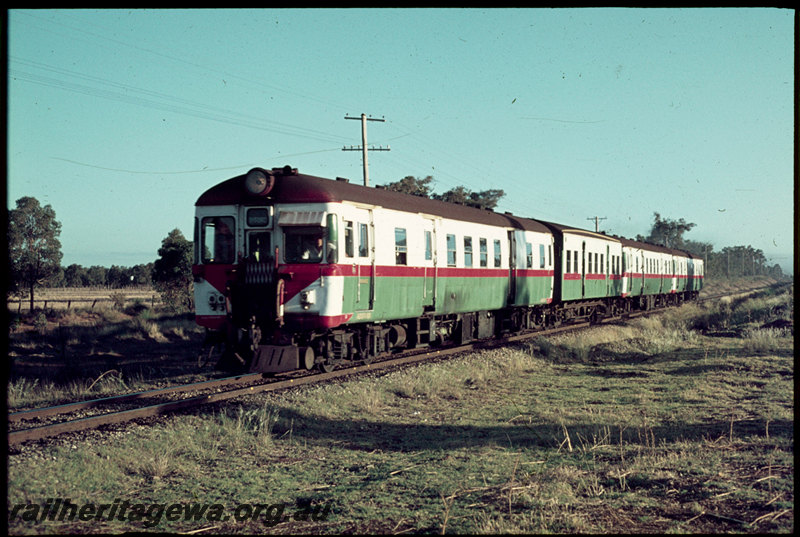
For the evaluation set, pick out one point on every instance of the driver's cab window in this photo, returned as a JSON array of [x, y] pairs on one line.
[[259, 247], [303, 244], [218, 240]]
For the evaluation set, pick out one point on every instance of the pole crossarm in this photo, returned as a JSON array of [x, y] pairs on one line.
[[363, 148]]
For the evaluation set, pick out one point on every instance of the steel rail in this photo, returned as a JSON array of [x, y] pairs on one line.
[[46, 431], [55, 410], [92, 422]]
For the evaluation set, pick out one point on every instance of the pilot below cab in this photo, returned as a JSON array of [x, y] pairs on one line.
[[274, 270]]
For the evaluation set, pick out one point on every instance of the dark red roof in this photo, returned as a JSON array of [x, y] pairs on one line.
[[291, 187]]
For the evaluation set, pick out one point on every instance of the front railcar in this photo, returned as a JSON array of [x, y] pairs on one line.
[[240, 285], [234, 271]]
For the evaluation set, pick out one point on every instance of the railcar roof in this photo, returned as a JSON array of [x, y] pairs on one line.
[[561, 228], [292, 187], [654, 248]]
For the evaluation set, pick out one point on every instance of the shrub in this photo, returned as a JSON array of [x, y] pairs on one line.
[[40, 323], [118, 301]]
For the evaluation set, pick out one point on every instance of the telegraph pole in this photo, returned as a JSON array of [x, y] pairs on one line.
[[596, 222], [364, 147]]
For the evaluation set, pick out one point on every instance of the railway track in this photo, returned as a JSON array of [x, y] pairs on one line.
[[158, 402]]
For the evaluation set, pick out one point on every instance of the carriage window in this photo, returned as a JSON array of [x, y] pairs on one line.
[[602, 264], [348, 238], [589, 271], [428, 246], [484, 253], [577, 268], [528, 255], [400, 246], [467, 251], [497, 254], [451, 250], [568, 267], [218, 239], [550, 255], [541, 256], [363, 240]]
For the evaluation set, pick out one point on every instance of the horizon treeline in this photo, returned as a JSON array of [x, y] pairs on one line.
[[114, 277]]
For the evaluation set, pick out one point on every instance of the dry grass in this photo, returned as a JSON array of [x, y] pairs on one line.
[[657, 427]]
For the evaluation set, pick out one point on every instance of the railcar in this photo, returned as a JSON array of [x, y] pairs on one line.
[[657, 276], [295, 271], [588, 284]]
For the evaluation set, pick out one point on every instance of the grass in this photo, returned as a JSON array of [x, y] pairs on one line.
[[661, 426], [58, 355]]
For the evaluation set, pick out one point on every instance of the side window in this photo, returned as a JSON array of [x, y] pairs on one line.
[[484, 253], [363, 240], [577, 267], [349, 239], [541, 256], [467, 251], [528, 255], [400, 246], [451, 250], [589, 268], [597, 267], [602, 265], [497, 254], [568, 266], [428, 246], [550, 255]]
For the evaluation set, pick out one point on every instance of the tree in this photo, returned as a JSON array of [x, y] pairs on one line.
[[118, 277], [485, 199], [412, 185], [172, 271], [142, 274], [667, 232], [76, 276], [97, 275], [33, 245]]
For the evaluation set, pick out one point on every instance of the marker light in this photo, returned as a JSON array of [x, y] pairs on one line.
[[259, 182]]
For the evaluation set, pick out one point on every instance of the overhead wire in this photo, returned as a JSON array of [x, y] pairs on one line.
[[165, 102]]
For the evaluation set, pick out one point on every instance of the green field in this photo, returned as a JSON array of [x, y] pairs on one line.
[[679, 423]]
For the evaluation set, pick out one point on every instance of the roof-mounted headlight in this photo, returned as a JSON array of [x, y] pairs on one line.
[[259, 182]]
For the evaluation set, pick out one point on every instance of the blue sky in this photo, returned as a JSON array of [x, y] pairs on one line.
[[120, 119]]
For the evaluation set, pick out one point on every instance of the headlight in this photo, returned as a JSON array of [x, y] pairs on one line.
[[259, 182], [216, 301], [307, 298]]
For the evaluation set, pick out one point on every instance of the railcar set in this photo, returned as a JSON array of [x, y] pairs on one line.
[[294, 271]]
